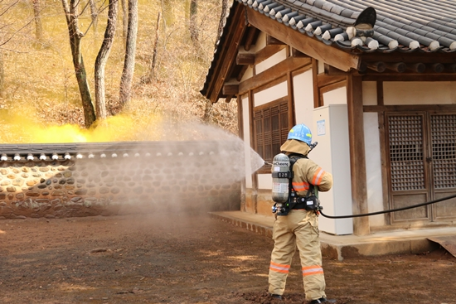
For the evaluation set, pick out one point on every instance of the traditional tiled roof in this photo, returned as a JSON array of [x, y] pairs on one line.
[[49, 152], [401, 27], [407, 26]]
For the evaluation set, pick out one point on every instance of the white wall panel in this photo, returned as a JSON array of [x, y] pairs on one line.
[[271, 61], [373, 168], [247, 149], [270, 94], [411, 93], [303, 97], [337, 96], [369, 93]]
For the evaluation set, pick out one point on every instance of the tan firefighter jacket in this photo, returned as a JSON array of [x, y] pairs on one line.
[[306, 171]]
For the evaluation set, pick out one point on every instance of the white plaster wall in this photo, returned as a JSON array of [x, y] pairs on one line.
[[248, 74], [303, 97], [373, 168], [270, 94], [271, 61], [369, 93], [337, 96], [416, 92], [247, 149], [264, 181]]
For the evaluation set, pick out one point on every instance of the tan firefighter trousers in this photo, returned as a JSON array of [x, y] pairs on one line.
[[297, 229]]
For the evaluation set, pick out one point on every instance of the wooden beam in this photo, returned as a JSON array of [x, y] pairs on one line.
[[380, 97], [288, 65], [310, 46], [332, 71], [252, 35], [245, 58], [273, 41], [290, 101], [357, 154], [297, 53], [231, 88], [316, 91], [324, 80], [228, 98], [451, 68]]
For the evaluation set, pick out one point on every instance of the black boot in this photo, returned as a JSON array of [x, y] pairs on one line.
[[322, 300], [276, 296]]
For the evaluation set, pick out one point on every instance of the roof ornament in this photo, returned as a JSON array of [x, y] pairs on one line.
[[362, 31], [364, 24]]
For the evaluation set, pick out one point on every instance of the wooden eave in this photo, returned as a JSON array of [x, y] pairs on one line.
[[225, 59], [309, 46]]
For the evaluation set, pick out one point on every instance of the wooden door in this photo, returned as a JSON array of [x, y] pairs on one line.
[[422, 165]]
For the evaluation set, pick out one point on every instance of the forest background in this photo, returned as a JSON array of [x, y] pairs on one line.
[[40, 100]]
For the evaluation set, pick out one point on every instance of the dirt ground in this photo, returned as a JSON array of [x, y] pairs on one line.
[[183, 258]]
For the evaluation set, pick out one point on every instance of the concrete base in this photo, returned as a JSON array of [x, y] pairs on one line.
[[340, 247]]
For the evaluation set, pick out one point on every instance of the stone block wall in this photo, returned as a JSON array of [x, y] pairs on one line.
[[117, 179]]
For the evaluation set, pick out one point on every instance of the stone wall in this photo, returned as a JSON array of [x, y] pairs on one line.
[[154, 177]]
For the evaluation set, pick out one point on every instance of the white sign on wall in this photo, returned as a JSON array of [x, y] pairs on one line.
[[321, 127]]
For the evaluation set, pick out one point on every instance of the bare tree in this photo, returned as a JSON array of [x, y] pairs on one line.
[[124, 21], [130, 52], [149, 77], [72, 13], [193, 19], [222, 19], [38, 23], [102, 57], [94, 15]]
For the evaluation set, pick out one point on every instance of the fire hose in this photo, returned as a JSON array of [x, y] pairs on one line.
[[391, 210]]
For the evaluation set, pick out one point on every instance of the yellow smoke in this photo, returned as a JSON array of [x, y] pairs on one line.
[[21, 128]]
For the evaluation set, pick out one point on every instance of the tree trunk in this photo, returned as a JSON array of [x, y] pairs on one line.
[[154, 54], [222, 19], [124, 21], [193, 19], [130, 51], [94, 15], [102, 57], [71, 12], [38, 23]]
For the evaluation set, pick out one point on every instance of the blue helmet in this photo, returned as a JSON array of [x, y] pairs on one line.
[[302, 133]]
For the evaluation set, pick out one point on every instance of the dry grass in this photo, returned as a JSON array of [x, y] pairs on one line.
[[41, 89]]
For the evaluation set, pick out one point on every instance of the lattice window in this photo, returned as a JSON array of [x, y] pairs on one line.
[[271, 128], [443, 130], [406, 152]]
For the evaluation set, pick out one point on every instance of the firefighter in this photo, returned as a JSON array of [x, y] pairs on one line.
[[299, 228]]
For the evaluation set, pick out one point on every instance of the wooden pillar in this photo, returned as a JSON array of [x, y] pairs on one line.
[[357, 154]]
